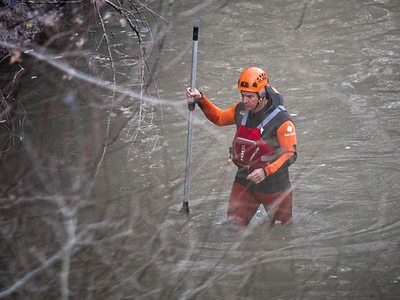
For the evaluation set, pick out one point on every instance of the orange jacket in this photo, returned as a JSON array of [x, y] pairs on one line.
[[280, 133]]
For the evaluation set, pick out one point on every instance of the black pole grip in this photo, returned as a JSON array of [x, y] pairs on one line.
[[191, 106], [195, 32]]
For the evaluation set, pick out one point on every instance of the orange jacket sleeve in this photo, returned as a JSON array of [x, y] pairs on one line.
[[286, 134], [220, 117]]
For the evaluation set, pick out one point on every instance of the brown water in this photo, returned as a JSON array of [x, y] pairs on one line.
[[337, 63]]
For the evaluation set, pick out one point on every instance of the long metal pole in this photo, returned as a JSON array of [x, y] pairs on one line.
[[191, 106]]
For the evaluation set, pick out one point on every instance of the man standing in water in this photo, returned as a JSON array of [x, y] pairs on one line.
[[263, 148]]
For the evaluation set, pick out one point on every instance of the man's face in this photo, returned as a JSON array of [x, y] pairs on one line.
[[249, 100]]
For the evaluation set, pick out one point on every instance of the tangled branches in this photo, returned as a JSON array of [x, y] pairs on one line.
[[74, 80]]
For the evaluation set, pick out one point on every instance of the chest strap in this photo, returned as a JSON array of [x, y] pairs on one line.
[[277, 110]]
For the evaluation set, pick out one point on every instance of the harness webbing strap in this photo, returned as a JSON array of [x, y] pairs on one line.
[[277, 110]]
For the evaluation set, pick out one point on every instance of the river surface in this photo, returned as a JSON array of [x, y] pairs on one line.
[[337, 63]]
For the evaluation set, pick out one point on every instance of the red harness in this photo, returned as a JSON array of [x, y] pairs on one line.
[[249, 150]]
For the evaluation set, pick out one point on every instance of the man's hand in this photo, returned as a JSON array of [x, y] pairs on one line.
[[192, 96], [256, 176]]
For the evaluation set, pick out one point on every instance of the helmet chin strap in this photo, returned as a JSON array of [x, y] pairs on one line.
[[260, 100]]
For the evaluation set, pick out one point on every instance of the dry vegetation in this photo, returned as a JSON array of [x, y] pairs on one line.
[[72, 96]]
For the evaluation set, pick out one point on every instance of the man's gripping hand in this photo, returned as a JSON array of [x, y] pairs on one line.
[[193, 96]]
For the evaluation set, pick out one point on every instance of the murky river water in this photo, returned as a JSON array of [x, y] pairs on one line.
[[337, 63]]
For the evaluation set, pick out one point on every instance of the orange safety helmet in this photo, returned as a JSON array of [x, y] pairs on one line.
[[253, 79]]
